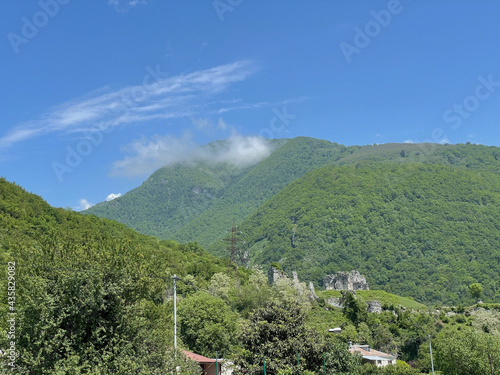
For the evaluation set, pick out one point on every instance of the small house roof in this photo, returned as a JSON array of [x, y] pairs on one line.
[[199, 358], [370, 353]]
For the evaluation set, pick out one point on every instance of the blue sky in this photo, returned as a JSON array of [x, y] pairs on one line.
[[94, 95]]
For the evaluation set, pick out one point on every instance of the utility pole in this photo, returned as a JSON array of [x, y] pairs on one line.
[[175, 314], [430, 349], [233, 250]]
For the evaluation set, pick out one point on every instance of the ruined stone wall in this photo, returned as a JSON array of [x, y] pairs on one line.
[[346, 281]]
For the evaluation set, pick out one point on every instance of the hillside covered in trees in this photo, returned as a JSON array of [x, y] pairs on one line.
[[197, 200], [417, 219], [419, 230]]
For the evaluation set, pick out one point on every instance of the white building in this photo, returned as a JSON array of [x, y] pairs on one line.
[[375, 357]]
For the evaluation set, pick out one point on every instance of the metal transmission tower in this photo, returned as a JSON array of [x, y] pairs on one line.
[[233, 240]]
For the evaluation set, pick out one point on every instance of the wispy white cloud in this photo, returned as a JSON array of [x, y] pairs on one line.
[[240, 107], [112, 196], [84, 204], [147, 155], [233, 106], [163, 97], [408, 141], [125, 5]]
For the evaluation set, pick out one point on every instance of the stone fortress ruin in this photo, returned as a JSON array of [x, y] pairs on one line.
[[341, 281]]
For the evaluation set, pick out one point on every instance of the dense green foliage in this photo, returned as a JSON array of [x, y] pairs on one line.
[[277, 331], [418, 230], [90, 293], [467, 351]]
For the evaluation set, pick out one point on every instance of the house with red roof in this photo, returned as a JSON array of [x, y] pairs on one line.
[[208, 365], [372, 356]]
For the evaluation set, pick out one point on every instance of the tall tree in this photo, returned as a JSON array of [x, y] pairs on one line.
[[277, 332], [207, 324]]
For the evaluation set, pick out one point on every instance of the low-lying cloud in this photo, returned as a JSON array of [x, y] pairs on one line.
[[84, 204], [112, 196], [147, 155]]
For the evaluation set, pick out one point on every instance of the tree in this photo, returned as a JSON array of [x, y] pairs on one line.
[[487, 321], [207, 324], [354, 309], [338, 359], [466, 351], [401, 368], [277, 331], [364, 334], [220, 286], [476, 289], [254, 294]]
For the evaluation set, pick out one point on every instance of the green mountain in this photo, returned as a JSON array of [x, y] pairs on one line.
[[198, 201], [420, 230], [288, 163], [170, 198]]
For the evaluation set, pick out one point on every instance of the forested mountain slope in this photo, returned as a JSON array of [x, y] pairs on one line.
[[197, 201], [170, 198], [33, 232], [288, 163], [419, 230], [406, 243]]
